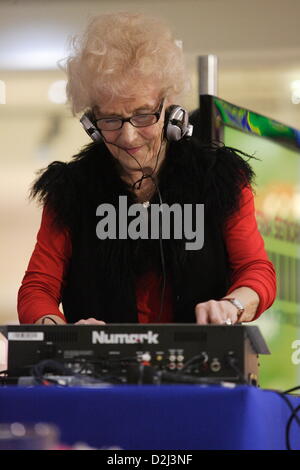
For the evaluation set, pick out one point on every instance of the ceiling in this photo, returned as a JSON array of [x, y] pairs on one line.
[[265, 31]]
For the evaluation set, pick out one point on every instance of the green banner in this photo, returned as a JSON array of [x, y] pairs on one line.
[[277, 201]]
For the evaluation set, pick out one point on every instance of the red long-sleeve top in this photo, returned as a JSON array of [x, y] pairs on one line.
[[42, 285]]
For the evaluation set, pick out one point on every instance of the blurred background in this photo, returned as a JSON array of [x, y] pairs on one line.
[[257, 44]]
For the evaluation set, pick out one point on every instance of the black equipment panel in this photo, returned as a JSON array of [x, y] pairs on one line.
[[140, 353]]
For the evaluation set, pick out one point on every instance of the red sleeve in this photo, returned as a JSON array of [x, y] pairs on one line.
[[40, 292], [248, 259]]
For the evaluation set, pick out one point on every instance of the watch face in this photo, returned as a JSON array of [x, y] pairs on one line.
[[238, 304]]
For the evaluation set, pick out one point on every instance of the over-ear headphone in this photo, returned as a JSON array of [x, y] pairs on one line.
[[177, 123], [176, 126], [89, 125]]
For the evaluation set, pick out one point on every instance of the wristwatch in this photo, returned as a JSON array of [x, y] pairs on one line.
[[236, 303]]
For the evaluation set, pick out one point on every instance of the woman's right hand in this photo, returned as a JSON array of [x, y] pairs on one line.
[[50, 320], [56, 320], [90, 321]]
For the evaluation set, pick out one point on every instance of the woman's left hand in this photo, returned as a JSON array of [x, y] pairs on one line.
[[219, 312]]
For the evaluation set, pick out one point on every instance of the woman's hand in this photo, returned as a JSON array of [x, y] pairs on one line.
[[50, 320], [219, 312], [90, 321], [223, 312]]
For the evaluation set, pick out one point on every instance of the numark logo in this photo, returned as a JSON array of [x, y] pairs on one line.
[[124, 338]]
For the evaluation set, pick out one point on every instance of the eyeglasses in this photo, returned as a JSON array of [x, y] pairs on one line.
[[138, 120]]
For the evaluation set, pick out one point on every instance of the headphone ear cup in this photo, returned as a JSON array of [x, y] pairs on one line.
[[176, 123], [88, 123], [173, 133]]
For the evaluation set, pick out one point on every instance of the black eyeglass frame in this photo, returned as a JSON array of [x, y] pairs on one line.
[[157, 114]]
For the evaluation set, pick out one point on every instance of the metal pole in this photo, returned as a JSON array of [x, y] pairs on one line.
[[208, 74]]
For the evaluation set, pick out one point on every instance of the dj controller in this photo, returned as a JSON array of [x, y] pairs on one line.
[[133, 354]]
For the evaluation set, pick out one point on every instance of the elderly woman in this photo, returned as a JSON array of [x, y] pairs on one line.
[[126, 75]]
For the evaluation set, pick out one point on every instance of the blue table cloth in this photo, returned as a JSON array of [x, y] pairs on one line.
[[184, 417]]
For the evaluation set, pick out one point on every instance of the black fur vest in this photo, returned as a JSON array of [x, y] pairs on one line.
[[102, 273]]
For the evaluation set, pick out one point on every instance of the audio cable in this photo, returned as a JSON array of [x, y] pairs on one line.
[[138, 184], [293, 415]]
